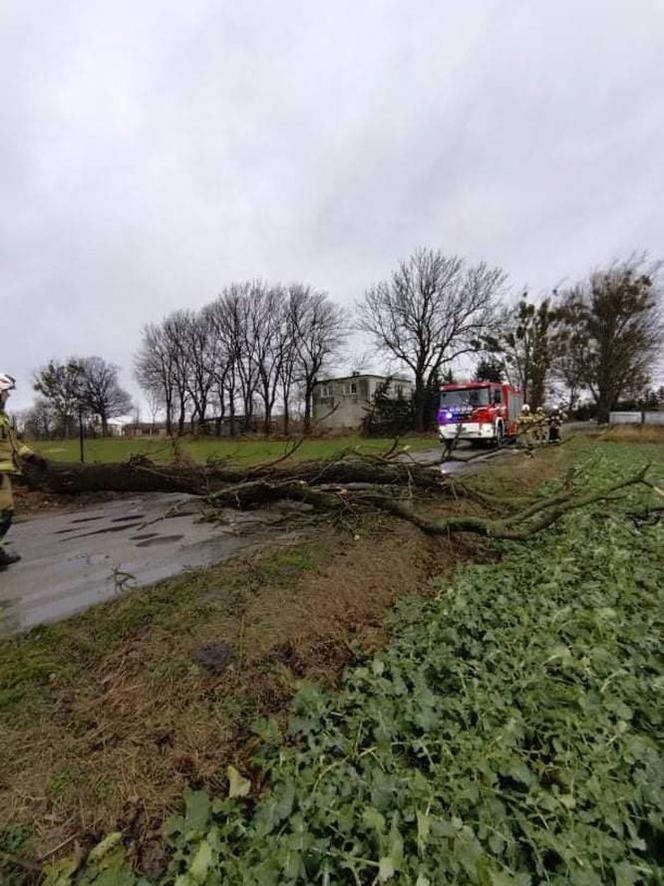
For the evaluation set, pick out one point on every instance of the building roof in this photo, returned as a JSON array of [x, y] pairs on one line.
[[359, 375]]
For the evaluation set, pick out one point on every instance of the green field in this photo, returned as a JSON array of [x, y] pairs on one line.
[[246, 450]]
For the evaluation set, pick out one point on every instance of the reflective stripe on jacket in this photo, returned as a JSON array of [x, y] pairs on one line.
[[11, 449]]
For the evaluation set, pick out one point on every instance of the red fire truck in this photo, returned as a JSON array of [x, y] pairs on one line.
[[479, 411]]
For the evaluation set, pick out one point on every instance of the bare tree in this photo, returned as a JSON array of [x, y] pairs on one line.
[[266, 331], [433, 309], [288, 358], [38, 421], [317, 326], [155, 405], [176, 334], [222, 363], [528, 342], [61, 385], [566, 374], [236, 318], [198, 335], [614, 330], [155, 369], [251, 345], [101, 394], [242, 374]]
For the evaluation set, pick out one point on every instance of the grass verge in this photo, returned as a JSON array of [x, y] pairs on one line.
[[631, 434], [244, 451]]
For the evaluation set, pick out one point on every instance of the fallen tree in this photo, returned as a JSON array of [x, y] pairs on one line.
[[140, 474], [392, 482]]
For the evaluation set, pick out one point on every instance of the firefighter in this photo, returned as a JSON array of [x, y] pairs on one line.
[[556, 419], [12, 452], [525, 426], [541, 426]]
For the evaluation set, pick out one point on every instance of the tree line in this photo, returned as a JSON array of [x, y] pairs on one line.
[[79, 390], [259, 349], [601, 338], [254, 346]]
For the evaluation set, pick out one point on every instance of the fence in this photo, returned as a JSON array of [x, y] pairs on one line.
[[637, 418]]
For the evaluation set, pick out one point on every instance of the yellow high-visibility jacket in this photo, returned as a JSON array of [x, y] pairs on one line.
[[11, 449], [526, 421]]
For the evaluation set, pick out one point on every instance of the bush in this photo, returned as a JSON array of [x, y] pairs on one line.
[[387, 415]]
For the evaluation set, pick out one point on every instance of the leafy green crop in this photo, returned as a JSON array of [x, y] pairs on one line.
[[511, 734], [14, 842]]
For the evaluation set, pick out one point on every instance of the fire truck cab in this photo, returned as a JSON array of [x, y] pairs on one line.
[[478, 411]]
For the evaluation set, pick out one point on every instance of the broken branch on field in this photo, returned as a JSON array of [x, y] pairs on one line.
[[519, 526]]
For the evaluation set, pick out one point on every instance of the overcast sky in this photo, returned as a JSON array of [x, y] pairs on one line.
[[152, 151]]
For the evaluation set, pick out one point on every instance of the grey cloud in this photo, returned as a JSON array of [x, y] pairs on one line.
[[151, 152]]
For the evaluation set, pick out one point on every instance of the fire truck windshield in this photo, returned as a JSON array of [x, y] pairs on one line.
[[464, 398]]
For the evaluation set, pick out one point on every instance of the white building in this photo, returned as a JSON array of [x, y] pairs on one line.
[[340, 404]]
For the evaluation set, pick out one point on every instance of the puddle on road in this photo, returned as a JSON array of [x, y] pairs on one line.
[[159, 540], [128, 518], [64, 573], [107, 529], [87, 519]]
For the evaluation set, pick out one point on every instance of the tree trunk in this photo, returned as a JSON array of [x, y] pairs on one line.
[[286, 416], [536, 393], [603, 409], [420, 405], [267, 416], [142, 475], [307, 411], [219, 423]]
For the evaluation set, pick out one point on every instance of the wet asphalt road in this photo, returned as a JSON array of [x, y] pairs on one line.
[[465, 459], [74, 560]]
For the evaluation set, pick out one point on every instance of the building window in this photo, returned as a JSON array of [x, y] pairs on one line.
[[325, 392], [350, 388]]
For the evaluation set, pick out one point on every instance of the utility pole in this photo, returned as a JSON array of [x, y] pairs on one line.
[[80, 431]]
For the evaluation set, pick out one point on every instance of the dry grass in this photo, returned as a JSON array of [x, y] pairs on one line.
[[105, 718], [634, 434]]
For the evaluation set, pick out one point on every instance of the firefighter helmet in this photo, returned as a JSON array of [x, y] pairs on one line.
[[525, 409], [7, 383], [540, 409]]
